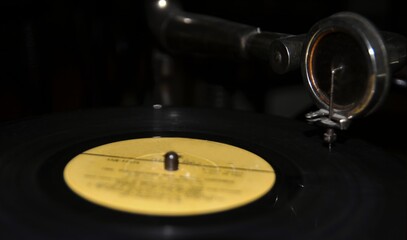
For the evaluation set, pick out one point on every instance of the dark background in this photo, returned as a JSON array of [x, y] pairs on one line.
[[58, 56]]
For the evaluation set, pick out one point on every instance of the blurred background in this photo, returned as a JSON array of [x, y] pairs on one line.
[[58, 56]]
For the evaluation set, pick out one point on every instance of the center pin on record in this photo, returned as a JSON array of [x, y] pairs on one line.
[[171, 161]]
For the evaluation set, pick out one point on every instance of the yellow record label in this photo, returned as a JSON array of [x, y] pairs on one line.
[[130, 176]]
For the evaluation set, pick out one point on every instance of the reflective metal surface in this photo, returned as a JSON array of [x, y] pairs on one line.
[[367, 58], [182, 32]]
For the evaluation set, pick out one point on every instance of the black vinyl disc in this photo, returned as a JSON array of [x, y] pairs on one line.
[[355, 191]]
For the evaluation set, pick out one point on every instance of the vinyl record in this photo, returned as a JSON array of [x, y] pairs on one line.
[[355, 191]]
